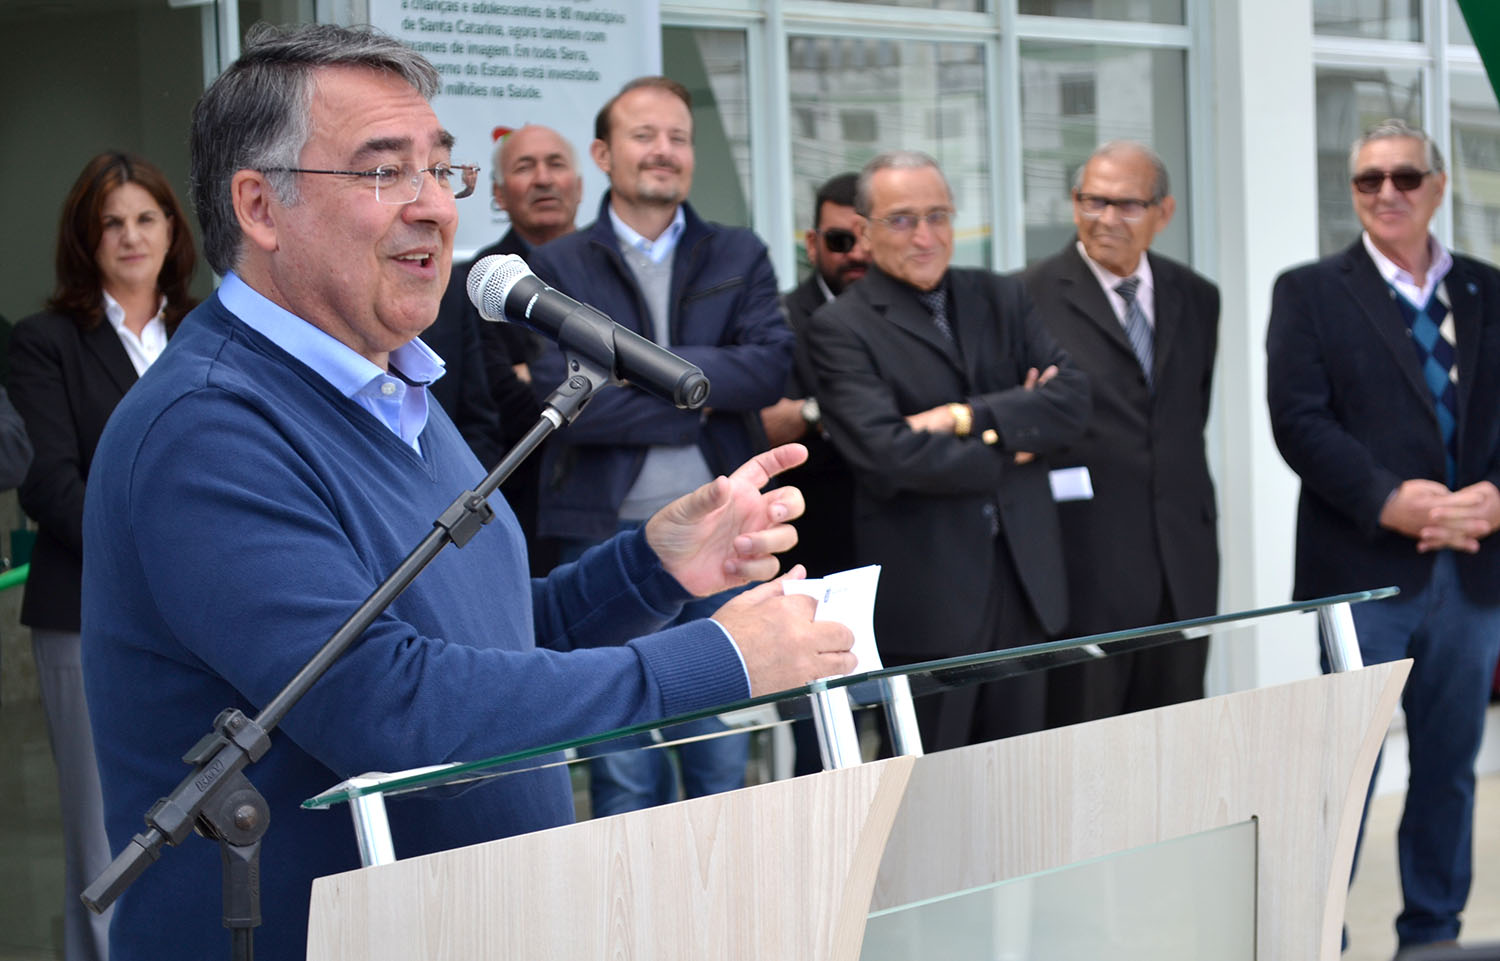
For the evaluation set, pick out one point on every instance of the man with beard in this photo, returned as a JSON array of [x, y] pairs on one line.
[[537, 184], [839, 257], [706, 291]]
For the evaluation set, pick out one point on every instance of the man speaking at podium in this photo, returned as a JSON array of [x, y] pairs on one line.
[[280, 461]]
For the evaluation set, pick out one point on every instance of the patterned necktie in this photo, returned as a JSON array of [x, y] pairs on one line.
[[936, 302], [1137, 329], [1432, 335]]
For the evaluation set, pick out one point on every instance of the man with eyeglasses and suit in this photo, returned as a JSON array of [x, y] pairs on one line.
[[1383, 379], [1140, 540], [944, 392]]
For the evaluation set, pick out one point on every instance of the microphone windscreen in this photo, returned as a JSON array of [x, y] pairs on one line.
[[490, 281]]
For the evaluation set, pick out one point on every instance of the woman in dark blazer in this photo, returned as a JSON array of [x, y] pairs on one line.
[[124, 261]]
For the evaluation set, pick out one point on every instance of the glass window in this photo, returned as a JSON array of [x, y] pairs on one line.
[[1474, 167], [1075, 97], [975, 6], [1374, 19], [712, 65], [1349, 101], [857, 97], [1458, 27], [108, 86], [1139, 11]]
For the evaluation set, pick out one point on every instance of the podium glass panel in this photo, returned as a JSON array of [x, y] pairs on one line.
[[884, 689], [1191, 897]]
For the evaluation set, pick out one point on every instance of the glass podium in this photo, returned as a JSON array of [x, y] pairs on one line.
[[831, 702], [1218, 828]]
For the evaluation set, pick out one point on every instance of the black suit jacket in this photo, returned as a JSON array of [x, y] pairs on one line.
[[1149, 533], [65, 382], [1353, 417], [925, 502], [825, 533]]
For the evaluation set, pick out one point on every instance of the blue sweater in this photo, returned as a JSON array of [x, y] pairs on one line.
[[238, 510]]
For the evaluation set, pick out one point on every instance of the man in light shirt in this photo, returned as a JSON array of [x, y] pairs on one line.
[[708, 292], [1141, 548], [1383, 378]]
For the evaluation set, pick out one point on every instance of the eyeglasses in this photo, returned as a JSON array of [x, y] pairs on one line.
[[839, 240], [1404, 179], [1093, 206], [401, 183], [906, 223]]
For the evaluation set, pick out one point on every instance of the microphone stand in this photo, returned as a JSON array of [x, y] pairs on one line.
[[216, 799]]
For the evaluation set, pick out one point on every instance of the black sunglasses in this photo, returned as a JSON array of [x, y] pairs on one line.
[[1404, 179], [838, 240]]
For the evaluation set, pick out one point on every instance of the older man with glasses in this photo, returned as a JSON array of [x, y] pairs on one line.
[[1383, 378], [1141, 537], [282, 458], [943, 390]]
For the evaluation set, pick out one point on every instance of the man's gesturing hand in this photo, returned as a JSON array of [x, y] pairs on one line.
[[727, 532]]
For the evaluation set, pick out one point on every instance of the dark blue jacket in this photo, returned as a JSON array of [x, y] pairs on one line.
[[725, 317], [1353, 417]]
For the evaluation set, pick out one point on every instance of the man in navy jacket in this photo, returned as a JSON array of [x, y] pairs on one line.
[[1383, 375], [706, 291]]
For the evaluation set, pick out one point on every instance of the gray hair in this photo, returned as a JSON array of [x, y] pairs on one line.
[[497, 170], [257, 115], [1395, 127], [892, 160], [1114, 148]]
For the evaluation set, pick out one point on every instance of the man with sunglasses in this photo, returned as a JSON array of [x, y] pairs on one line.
[[1140, 539], [839, 258], [944, 392], [1383, 379]]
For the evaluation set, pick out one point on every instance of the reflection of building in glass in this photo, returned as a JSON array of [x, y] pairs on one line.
[[1350, 102], [712, 65], [1075, 97], [852, 98], [1474, 170], [1372, 19]]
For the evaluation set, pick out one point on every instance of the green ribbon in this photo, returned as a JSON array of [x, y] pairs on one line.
[[1483, 18]]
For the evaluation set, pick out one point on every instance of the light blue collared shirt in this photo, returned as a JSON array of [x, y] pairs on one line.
[[399, 405], [656, 250]]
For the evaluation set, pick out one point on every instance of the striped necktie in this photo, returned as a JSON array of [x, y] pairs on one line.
[[1137, 329]]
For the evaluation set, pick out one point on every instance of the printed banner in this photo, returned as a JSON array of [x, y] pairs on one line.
[[506, 64]]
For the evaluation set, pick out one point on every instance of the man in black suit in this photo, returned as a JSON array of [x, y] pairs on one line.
[[1383, 377], [941, 387], [839, 257], [537, 183], [1139, 537]]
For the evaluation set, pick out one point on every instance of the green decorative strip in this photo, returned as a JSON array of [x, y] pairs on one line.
[[14, 576], [1483, 18]]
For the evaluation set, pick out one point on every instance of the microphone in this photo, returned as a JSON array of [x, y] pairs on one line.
[[502, 287]]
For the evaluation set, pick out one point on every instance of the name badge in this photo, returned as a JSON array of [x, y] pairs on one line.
[[1071, 484]]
